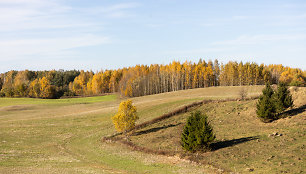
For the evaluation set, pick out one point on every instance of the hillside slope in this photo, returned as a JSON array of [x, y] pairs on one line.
[[48, 137], [243, 141]]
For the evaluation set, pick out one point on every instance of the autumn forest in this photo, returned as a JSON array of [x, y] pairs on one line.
[[143, 80]]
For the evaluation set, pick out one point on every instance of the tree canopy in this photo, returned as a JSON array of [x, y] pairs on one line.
[[143, 80]]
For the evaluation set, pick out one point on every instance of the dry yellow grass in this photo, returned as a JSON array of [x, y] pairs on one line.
[[65, 138], [243, 141]]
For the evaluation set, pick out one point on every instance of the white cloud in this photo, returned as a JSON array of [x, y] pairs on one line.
[[14, 49], [44, 28], [19, 15]]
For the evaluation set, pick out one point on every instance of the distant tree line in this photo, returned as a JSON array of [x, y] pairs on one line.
[[143, 80], [36, 84]]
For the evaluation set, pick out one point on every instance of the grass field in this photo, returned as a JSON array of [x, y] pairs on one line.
[[242, 140], [29, 101], [64, 136]]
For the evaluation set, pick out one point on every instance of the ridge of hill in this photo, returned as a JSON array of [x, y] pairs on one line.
[[243, 141], [47, 137]]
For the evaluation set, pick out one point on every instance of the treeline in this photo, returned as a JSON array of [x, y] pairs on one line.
[[143, 80], [37, 84]]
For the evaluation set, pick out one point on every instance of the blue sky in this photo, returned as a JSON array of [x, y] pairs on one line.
[[101, 34]]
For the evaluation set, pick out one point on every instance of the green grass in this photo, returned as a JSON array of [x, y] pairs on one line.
[[34, 101], [64, 136], [71, 144], [234, 123]]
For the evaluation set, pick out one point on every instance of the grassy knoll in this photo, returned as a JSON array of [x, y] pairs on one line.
[[46, 136], [64, 136], [243, 142]]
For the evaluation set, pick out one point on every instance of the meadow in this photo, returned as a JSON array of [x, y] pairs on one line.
[[64, 135], [30, 101]]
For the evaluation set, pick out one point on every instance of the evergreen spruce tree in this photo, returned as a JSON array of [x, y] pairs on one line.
[[265, 105], [197, 133], [283, 98]]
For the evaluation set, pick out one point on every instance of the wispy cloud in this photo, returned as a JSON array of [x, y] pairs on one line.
[[95, 30], [20, 15], [49, 27], [14, 49]]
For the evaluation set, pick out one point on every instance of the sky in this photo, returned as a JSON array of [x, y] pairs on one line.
[[110, 34]]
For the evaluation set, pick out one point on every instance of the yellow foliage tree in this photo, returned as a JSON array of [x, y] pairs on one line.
[[79, 85], [34, 88], [46, 90], [114, 80], [286, 77], [21, 83], [8, 88], [126, 117]]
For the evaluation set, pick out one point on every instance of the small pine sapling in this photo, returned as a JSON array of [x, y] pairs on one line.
[[197, 133], [266, 105], [283, 98]]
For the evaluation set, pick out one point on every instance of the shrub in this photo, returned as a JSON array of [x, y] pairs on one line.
[[265, 105], [283, 98], [126, 117], [243, 93], [197, 133]]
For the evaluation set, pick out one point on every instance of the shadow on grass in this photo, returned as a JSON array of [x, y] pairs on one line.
[[229, 143], [295, 111], [291, 112], [155, 129]]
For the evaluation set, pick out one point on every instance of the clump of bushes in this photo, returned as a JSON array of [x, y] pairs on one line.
[[197, 133], [272, 103]]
